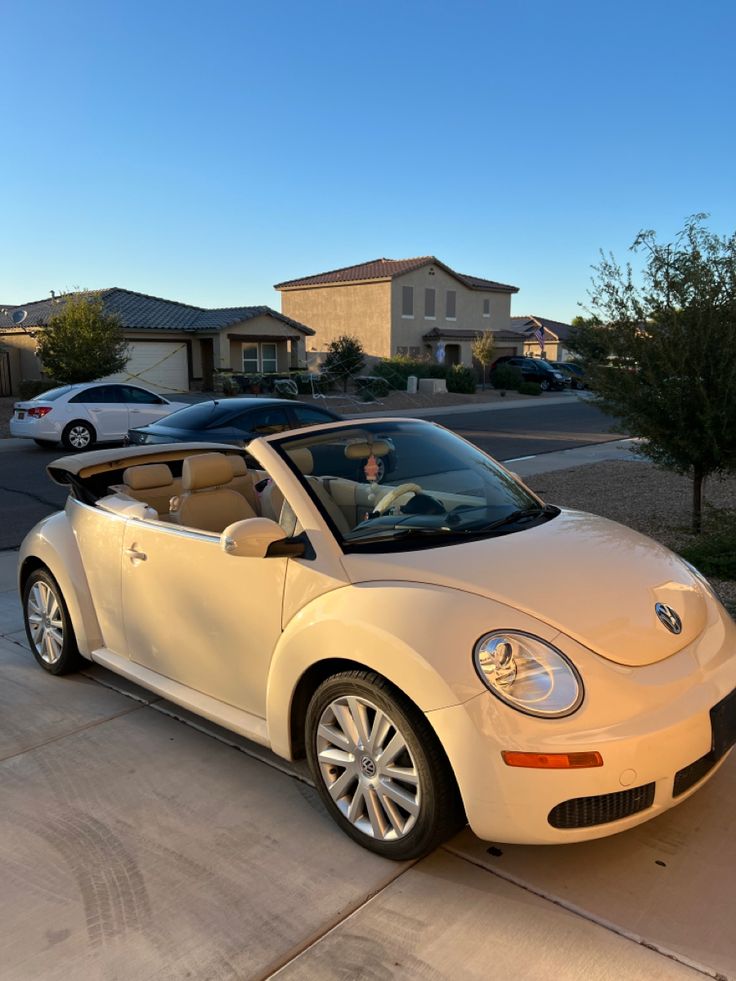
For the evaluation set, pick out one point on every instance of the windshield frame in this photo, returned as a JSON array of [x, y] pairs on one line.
[[411, 541]]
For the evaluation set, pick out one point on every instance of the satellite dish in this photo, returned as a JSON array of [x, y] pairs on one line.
[[19, 316]]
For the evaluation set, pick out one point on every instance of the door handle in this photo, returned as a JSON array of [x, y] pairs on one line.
[[135, 555]]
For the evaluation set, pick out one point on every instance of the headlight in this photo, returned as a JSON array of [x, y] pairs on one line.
[[528, 674]]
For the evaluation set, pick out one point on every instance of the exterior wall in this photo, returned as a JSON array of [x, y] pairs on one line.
[[23, 361], [360, 309], [553, 350], [468, 310], [264, 326]]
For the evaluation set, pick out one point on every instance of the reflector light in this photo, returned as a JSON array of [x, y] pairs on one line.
[[38, 412], [552, 761]]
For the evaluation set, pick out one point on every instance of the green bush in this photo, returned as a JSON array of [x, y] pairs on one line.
[[370, 388], [529, 388], [461, 379], [714, 552], [31, 387], [506, 377], [396, 370]]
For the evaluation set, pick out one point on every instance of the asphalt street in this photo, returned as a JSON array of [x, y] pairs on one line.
[[27, 494]]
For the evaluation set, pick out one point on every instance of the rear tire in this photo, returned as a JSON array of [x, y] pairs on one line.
[[544, 385], [48, 624], [379, 767], [79, 436]]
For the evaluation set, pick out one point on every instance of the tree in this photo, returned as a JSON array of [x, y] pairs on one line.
[[482, 350], [82, 342], [345, 357], [662, 356]]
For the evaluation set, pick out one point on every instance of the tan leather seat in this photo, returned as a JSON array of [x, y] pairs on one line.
[[272, 500], [206, 502], [151, 483], [242, 481]]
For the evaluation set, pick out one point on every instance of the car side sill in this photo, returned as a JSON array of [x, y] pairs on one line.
[[227, 716]]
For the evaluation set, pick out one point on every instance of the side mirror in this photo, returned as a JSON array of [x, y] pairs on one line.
[[258, 538]]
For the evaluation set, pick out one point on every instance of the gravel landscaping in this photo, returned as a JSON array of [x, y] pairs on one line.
[[643, 497]]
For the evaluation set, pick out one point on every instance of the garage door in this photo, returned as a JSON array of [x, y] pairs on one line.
[[158, 365]]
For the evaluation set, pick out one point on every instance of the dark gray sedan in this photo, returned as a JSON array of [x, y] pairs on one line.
[[231, 420]]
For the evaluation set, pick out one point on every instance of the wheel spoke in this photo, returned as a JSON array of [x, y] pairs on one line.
[[359, 715], [405, 774], [340, 786], [335, 736], [380, 729], [345, 720], [402, 797], [375, 813], [356, 805], [393, 749], [332, 756]]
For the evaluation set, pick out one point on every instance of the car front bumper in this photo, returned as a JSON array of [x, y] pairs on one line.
[[652, 760]]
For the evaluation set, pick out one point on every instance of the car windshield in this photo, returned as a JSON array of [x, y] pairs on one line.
[[52, 394], [382, 486], [203, 415]]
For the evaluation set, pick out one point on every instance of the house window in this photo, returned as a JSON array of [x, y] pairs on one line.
[[429, 298], [402, 351], [407, 301], [259, 357], [250, 358], [486, 308], [415, 352], [451, 305], [269, 360]]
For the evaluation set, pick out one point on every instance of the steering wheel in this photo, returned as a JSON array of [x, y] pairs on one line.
[[385, 503]]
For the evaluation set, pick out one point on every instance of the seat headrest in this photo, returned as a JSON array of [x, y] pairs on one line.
[[148, 476], [302, 459], [206, 470], [238, 466], [360, 449]]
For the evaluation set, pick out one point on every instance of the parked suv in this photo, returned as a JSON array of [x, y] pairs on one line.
[[534, 370]]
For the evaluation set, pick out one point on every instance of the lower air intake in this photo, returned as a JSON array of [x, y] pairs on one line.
[[585, 812]]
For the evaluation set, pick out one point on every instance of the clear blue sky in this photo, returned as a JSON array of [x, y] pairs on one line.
[[204, 151]]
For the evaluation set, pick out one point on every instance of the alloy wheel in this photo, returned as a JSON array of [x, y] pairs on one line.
[[79, 437], [45, 621], [368, 769]]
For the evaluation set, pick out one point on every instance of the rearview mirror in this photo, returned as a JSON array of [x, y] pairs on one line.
[[258, 538]]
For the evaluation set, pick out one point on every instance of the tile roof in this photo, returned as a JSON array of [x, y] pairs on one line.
[[388, 269], [138, 311], [527, 324]]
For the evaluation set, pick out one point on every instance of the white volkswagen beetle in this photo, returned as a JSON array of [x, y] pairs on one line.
[[442, 647]]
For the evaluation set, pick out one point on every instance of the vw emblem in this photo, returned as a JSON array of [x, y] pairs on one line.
[[668, 618], [368, 766]]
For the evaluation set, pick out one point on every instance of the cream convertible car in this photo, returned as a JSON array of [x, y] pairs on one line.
[[444, 647]]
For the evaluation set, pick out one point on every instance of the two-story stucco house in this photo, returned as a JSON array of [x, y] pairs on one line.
[[402, 306]]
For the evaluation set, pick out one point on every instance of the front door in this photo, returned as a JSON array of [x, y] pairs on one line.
[[199, 616]]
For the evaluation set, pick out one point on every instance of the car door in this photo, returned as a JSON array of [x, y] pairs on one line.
[[105, 408], [144, 407], [199, 616]]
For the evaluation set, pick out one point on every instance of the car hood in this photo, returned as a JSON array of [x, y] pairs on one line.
[[592, 579]]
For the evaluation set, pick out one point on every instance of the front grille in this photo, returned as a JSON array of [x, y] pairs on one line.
[[584, 812]]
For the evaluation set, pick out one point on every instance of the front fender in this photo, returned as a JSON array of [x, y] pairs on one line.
[[52, 543], [419, 637]]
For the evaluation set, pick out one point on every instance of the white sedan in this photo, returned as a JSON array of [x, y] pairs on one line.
[[441, 648], [81, 415]]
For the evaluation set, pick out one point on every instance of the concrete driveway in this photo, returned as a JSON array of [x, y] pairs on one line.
[[138, 842]]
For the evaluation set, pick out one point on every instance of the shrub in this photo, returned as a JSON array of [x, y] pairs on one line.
[[714, 552], [31, 387], [345, 358], [506, 377], [529, 388], [370, 388], [461, 379], [397, 370], [82, 341]]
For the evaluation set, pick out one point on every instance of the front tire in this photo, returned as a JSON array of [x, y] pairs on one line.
[[544, 385], [380, 768], [48, 625], [79, 435]]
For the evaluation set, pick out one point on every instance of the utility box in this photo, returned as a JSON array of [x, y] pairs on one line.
[[433, 386], [411, 385]]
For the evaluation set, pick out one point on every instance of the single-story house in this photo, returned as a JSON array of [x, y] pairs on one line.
[[555, 334], [174, 347]]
